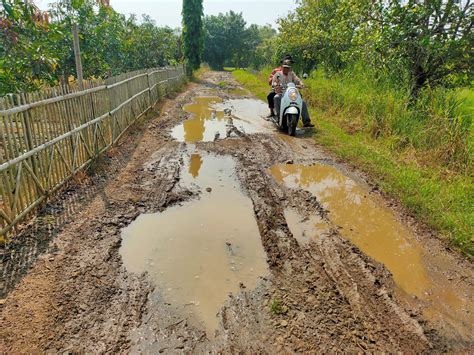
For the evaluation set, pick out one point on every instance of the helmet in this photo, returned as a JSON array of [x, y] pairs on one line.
[[287, 57], [286, 63]]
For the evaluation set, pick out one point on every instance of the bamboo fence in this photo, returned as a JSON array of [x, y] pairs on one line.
[[49, 135]]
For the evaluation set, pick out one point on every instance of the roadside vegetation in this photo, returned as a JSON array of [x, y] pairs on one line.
[[36, 46]]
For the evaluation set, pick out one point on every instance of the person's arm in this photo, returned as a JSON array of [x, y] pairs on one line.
[[297, 81], [270, 78], [276, 83]]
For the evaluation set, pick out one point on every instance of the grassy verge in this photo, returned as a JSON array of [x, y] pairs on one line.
[[201, 71], [436, 194]]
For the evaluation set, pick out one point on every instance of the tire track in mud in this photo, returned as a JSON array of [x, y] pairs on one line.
[[330, 296], [330, 302]]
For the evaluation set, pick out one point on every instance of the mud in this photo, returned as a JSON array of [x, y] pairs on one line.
[[362, 218], [199, 252], [323, 288]]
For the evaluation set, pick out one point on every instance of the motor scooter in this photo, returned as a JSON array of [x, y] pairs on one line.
[[290, 109]]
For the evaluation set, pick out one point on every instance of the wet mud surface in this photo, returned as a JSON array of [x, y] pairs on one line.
[[214, 232]]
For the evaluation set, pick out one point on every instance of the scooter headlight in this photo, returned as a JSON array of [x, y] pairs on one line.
[[293, 95]]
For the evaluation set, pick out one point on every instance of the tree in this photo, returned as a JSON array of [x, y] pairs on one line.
[[428, 42], [432, 39], [225, 40], [193, 32], [26, 55], [261, 46], [36, 47]]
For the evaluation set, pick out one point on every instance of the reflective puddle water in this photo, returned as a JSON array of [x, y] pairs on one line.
[[374, 229], [250, 111], [210, 122], [305, 229], [199, 252]]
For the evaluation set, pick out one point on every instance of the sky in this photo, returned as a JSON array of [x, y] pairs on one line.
[[168, 12]]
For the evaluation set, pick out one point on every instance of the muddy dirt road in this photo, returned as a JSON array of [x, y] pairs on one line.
[[207, 230]]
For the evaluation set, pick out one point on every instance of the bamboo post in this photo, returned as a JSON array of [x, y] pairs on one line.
[[150, 101], [77, 54], [26, 118]]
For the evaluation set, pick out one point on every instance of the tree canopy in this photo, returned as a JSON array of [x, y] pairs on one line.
[[414, 43], [36, 47], [228, 41], [422, 42]]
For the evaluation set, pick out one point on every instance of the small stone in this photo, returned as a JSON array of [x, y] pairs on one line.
[[311, 299], [300, 316], [209, 189], [284, 323]]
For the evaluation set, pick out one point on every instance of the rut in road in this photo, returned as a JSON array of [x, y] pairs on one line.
[[208, 199]]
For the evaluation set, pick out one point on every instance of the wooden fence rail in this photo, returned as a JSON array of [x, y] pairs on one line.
[[48, 136]]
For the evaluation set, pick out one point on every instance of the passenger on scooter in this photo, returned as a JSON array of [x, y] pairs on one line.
[[272, 93], [280, 81]]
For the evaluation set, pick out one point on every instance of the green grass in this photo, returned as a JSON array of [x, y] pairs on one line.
[[276, 306], [438, 194]]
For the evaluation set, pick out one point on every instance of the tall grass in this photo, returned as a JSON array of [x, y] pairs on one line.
[[436, 129]]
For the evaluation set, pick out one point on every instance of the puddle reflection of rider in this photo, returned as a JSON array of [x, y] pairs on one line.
[[280, 81]]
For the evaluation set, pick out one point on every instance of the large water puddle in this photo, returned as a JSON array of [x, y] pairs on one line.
[[213, 119], [201, 251], [371, 226]]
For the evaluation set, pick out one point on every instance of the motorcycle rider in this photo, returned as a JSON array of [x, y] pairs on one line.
[[280, 81], [272, 93]]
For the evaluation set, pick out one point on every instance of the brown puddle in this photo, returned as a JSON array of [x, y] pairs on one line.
[[251, 111], [199, 252], [209, 122], [375, 230], [305, 229]]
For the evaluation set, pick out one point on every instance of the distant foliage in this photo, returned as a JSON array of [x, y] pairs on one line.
[[229, 42], [193, 32], [36, 47]]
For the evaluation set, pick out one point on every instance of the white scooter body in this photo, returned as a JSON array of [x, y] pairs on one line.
[[289, 106], [290, 109]]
